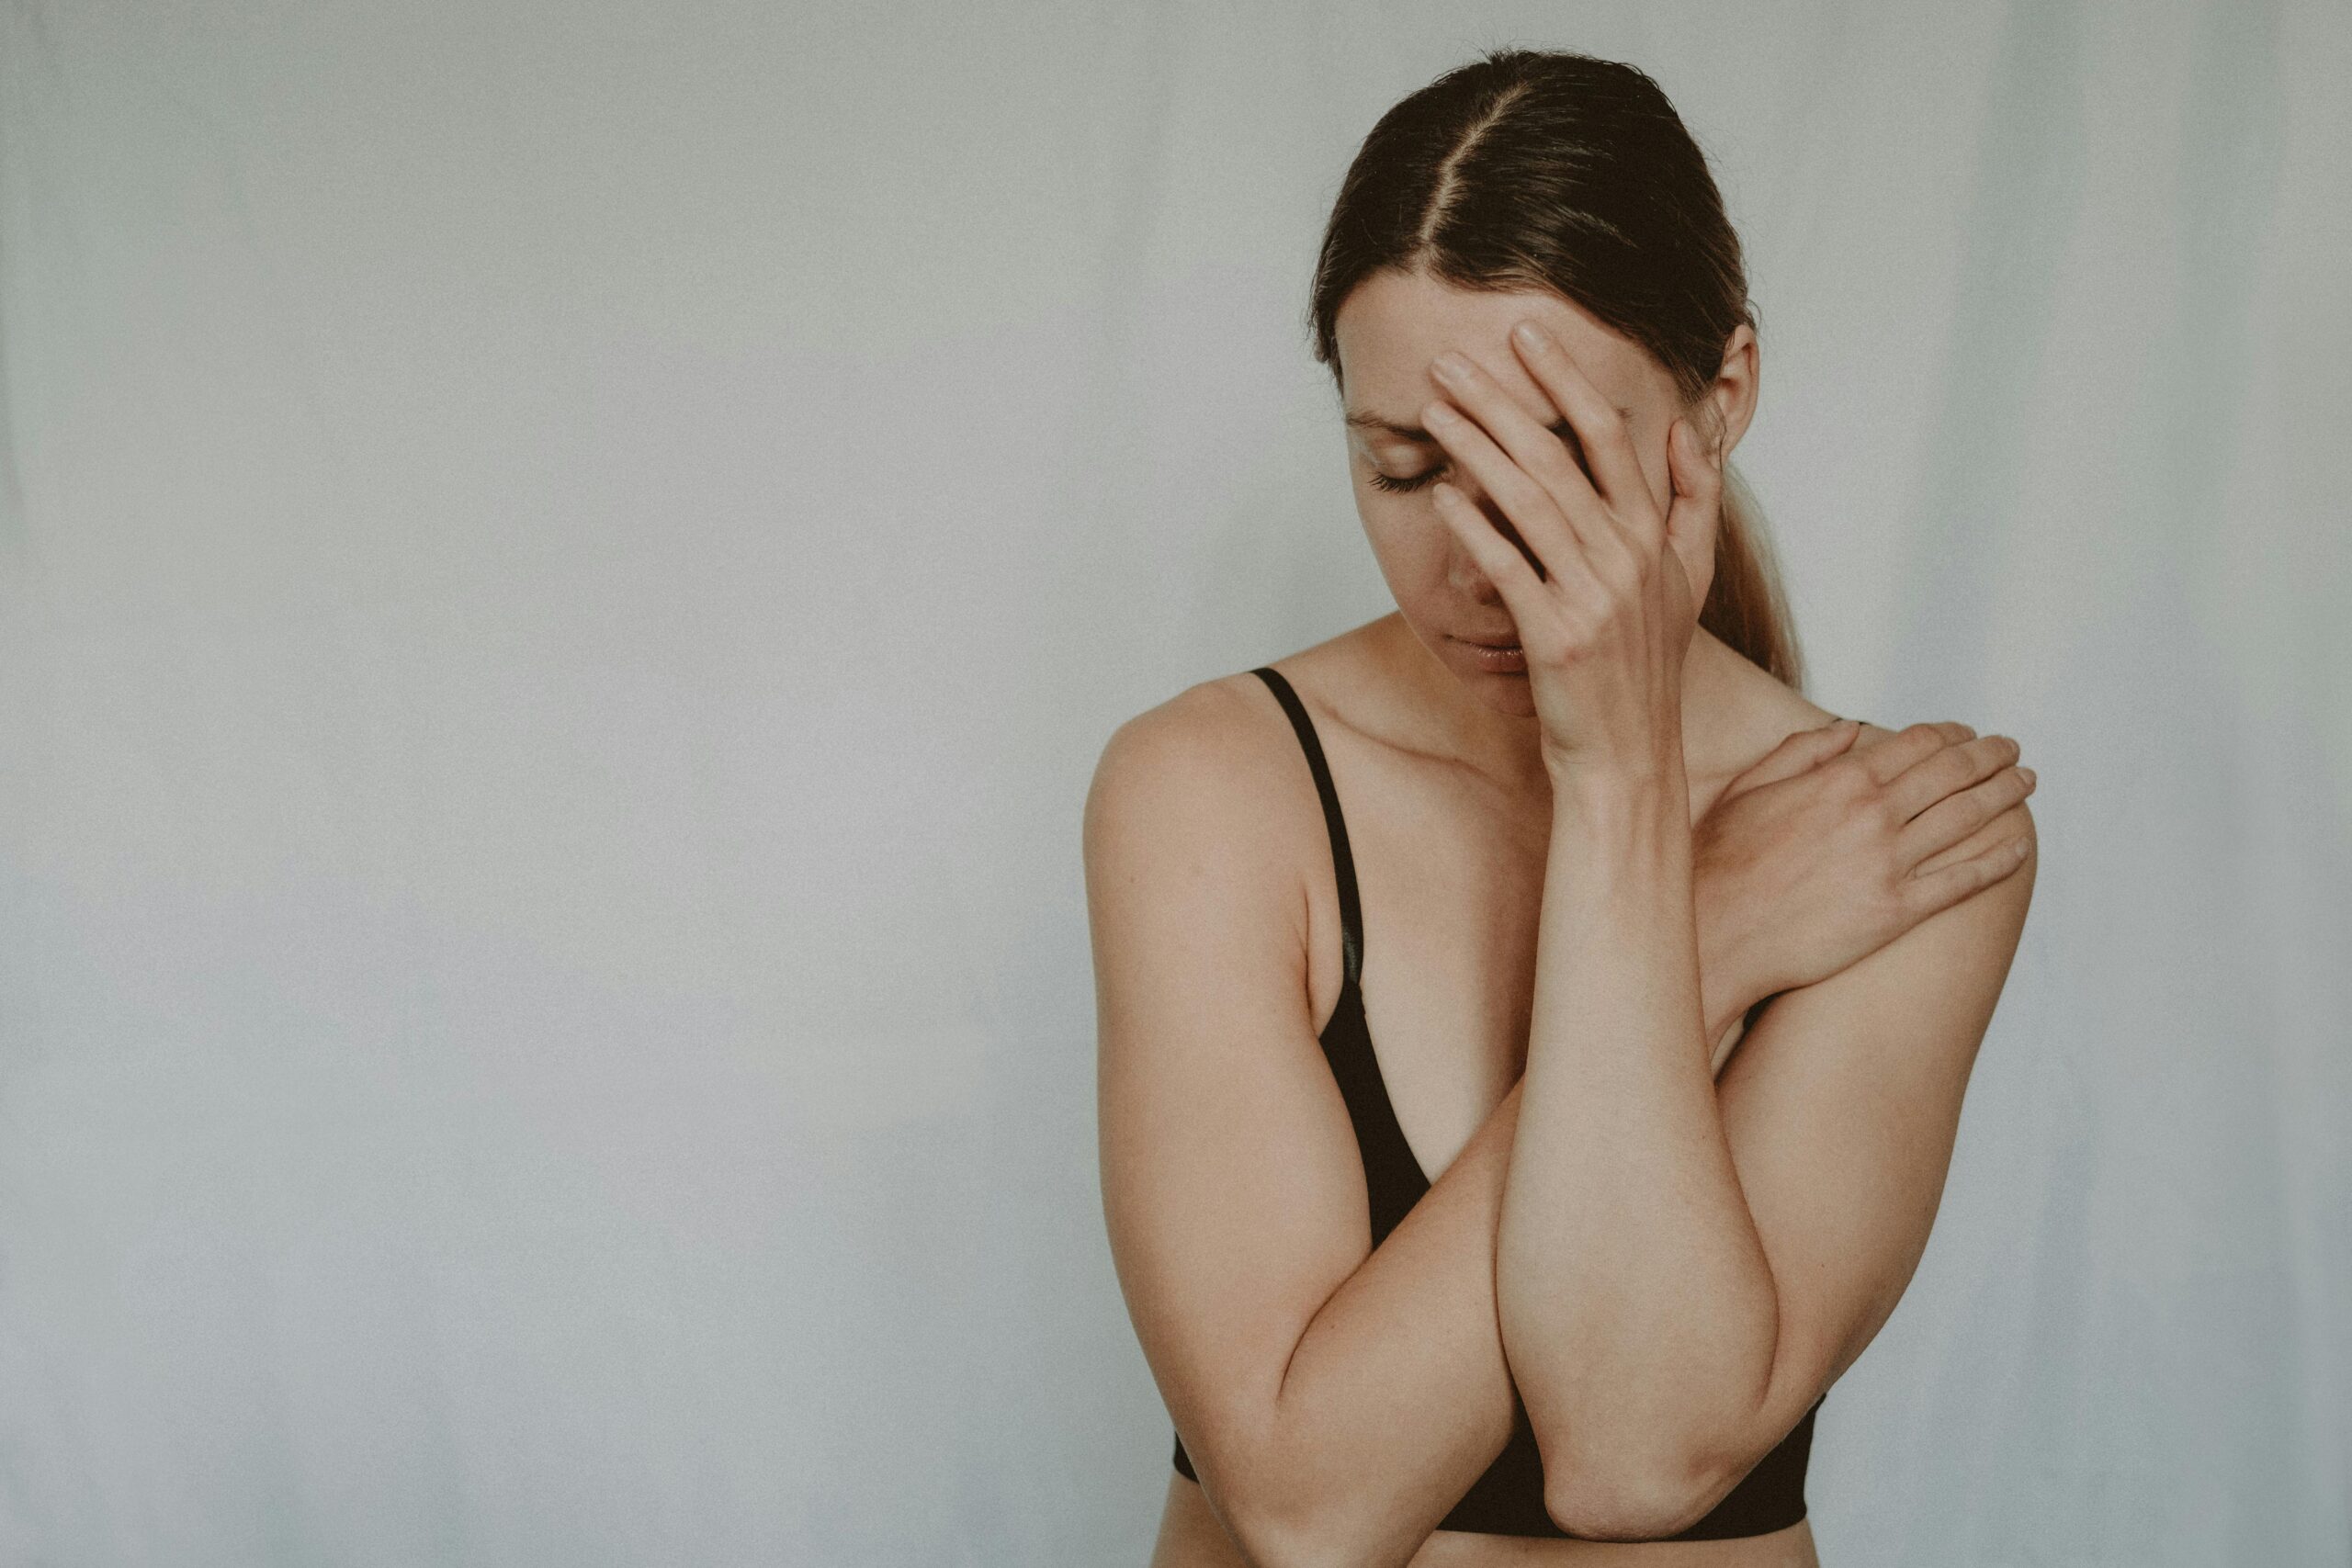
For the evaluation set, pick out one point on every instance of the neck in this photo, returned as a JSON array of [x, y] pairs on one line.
[[1719, 702]]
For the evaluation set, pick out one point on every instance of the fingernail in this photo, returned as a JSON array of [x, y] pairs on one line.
[[1452, 367], [1527, 335], [2026, 774]]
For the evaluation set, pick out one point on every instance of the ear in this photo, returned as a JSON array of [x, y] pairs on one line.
[[1735, 391]]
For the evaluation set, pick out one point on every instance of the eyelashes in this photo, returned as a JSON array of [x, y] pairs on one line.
[[1565, 431]]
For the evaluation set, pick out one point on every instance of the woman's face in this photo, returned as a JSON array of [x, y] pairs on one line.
[[1389, 331]]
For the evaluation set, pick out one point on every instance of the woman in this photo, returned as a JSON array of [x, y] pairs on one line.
[[1677, 981]]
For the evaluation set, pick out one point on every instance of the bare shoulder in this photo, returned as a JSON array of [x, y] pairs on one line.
[[1232, 1190], [2011, 894], [1989, 918], [1204, 759], [1192, 834], [1789, 712]]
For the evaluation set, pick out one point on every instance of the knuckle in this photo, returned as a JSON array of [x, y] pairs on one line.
[[1621, 601], [1587, 596], [1621, 580], [1553, 471]]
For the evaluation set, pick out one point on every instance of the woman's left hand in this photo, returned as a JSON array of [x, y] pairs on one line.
[[1811, 859], [1601, 595]]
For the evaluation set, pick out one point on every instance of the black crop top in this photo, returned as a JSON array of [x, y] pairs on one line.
[[1508, 1498]]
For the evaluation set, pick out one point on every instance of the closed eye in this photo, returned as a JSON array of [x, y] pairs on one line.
[[1565, 431]]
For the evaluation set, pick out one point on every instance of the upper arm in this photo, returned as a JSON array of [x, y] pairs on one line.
[[1841, 1108], [1231, 1186]]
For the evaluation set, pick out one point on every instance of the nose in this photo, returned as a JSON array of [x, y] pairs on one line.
[[1467, 567]]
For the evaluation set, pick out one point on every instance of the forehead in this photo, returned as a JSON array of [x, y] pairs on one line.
[[1394, 324]]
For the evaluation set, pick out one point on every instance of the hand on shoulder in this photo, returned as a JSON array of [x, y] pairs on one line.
[[1845, 836]]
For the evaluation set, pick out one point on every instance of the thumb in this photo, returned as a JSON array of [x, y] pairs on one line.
[[1797, 752], [1697, 510]]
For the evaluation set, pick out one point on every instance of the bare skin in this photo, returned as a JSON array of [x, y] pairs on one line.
[[1450, 873], [1335, 1402]]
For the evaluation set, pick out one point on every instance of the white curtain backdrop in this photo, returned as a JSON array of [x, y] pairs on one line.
[[564, 567]]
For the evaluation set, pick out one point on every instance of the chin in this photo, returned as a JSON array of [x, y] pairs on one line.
[[1504, 694]]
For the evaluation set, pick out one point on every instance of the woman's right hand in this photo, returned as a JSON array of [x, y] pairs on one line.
[[1808, 861]]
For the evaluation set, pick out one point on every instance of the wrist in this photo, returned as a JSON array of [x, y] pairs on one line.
[[1626, 832], [1620, 776]]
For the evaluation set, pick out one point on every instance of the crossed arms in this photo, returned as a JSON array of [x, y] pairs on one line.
[[1736, 1242]]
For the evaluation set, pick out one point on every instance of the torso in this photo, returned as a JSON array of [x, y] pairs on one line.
[[1450, 873]]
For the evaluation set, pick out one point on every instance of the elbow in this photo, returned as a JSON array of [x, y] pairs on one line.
[[1597, 1499], [1270, 1544], [1281, 1517], [1300, 1538], [1620, 1512]]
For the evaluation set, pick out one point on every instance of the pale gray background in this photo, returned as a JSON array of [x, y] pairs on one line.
[[566, 566]]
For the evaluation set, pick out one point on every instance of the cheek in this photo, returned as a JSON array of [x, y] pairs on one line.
[[1410, 541]]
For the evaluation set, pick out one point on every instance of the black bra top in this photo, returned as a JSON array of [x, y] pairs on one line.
[[1508, 1498]]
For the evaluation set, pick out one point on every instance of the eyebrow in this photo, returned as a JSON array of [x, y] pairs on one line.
[[1415, 433]]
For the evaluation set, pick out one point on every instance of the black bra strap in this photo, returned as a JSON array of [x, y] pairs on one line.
[[1343, 861]]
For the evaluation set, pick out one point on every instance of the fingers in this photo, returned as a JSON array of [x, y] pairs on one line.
[[1890, 758], [1953, 819], [1606, 529], [1595, 418], [1698, 475], [1529, 505], [1798, 752], [1500, 560], [1929, 779], [1933, 891]]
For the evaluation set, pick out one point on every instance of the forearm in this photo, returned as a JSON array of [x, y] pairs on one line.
[[1368, 1471], [1398, 1397], [1635, 1303], [1727, 983]]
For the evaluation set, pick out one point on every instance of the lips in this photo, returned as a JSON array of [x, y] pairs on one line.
[[1498, 659], [1490, 641]]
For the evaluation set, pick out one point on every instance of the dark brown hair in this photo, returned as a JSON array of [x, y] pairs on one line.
[[1533, 169]]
